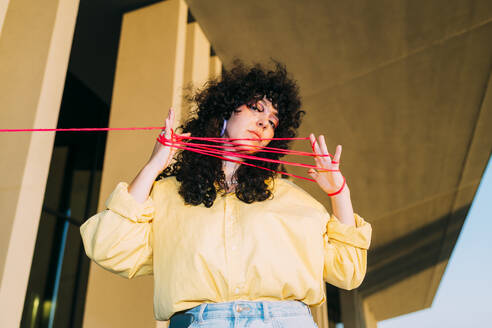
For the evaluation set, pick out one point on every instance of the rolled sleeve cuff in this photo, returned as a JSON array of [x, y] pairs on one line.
[[122, 202], [357, 236]]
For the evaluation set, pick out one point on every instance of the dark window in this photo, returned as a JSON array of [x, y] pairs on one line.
[[57, 283]]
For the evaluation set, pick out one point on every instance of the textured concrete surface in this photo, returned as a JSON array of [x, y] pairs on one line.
[[401, 85], [404, 86]]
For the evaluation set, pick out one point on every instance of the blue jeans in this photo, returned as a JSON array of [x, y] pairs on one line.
[[246, 314]]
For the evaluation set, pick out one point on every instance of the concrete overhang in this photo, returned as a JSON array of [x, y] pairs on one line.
[[405, 87]]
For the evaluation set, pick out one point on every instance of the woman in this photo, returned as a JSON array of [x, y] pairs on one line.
[[229, 244]]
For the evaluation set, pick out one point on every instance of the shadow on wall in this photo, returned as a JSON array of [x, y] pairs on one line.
[[412, 253]]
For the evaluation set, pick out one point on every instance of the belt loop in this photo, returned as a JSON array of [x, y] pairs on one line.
[[200, 313], [266, 311]]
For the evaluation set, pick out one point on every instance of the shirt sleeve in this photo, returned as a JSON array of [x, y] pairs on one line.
[[345, 252], [119, 239]]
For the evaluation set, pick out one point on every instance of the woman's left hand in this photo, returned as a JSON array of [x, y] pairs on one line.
[[330, 181]]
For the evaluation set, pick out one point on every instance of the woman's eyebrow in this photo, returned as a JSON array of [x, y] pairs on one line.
[[275, 112]]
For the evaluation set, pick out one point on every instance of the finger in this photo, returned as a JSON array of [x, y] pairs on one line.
[[313, 141], [317, 167], [172, 117], [163, 131], [323, 147], [338, 153], [168, 129], [316, 150], [169, 123], [315, 145]]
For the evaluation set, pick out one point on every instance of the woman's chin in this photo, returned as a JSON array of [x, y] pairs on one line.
[[248, 149]]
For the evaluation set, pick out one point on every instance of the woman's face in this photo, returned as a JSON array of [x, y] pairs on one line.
[[255, 120]]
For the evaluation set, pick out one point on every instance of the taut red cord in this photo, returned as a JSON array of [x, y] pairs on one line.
[[210, 150], [214, 150], [84, 129]]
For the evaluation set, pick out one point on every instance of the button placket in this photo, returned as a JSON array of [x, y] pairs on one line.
[[229, 243], [232, 247]]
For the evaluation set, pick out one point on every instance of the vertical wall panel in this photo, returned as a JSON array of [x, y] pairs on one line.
[[149, 77], [4, 4], [320, 313], [355, 310], [197, 62], [215, 66], [34, 49]]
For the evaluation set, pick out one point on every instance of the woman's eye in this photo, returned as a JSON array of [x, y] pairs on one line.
[[255, 107]]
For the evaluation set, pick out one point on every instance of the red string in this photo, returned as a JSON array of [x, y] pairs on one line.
[[85, 129], [239, 162], [339, 190], [273, 150], [213, 150], [222, 140], [205, 149]]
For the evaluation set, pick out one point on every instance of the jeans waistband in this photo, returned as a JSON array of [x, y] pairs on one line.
[[265, 309]]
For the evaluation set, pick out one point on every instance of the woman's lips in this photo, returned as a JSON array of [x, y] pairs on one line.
[[256, 134]]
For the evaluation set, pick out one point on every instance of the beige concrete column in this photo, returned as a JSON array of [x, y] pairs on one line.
[[35, 46], [149, 74], [4, 4], [215, 67], [320, 315], [355, 311], [196, 72], [370, 319], [197, 61]]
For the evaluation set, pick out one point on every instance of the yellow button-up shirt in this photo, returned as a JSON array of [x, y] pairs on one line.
[[279, 249]]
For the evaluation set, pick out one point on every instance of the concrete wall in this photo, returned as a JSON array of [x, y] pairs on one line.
[[35, 43], [149, 73], [159, 54], [197, 63]]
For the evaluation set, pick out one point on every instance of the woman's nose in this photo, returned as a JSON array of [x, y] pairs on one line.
[[261, 123]]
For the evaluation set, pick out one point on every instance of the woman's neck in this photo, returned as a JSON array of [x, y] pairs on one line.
[[229, 168]]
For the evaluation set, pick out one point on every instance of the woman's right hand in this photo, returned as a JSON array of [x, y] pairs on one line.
[[162, 155]]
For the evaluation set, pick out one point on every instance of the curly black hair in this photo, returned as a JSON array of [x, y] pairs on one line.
[[215, 102]]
